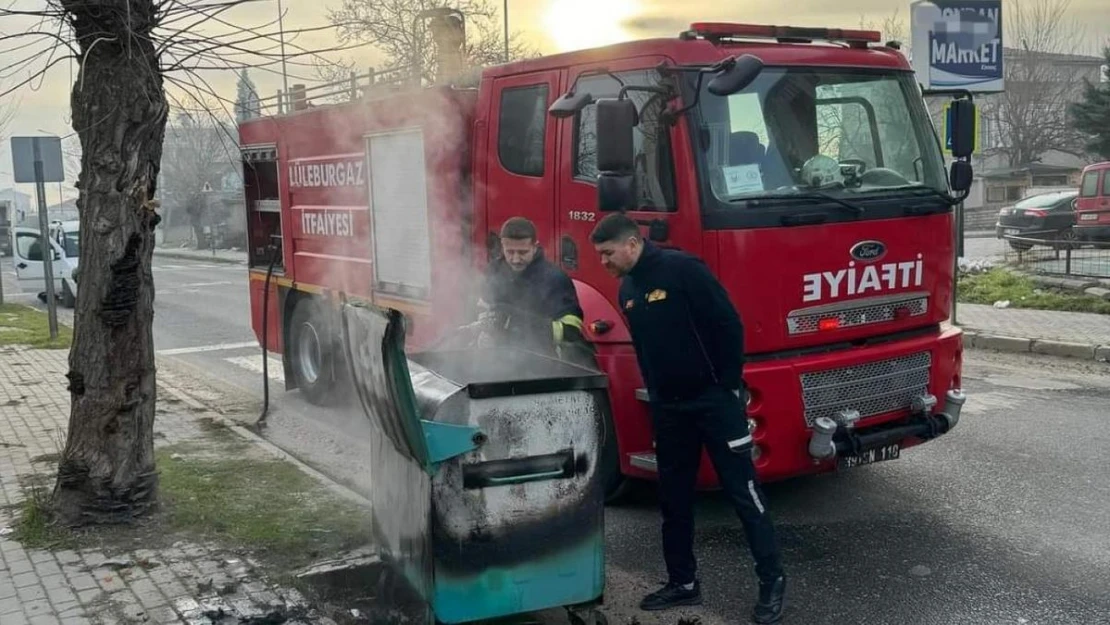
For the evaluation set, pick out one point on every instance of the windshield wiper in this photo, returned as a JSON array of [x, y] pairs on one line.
[[919, 191], [812, 196]]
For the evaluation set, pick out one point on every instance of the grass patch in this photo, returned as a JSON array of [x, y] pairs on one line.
[[264, 504], [22, 325], [999, 285], [36, 528]]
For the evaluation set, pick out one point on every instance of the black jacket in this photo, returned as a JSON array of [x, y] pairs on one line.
[[527, 303], [688, 335]]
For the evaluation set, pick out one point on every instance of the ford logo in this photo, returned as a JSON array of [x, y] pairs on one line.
[[868, 251]]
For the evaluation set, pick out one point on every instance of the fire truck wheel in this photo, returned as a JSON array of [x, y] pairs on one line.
[[313, 352]]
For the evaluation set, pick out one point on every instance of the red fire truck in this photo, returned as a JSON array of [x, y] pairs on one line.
[[800, 163]]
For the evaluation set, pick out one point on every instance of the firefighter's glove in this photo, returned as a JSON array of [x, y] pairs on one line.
[[566, 328]]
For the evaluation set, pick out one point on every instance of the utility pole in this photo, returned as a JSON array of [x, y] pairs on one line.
[[505, 15]]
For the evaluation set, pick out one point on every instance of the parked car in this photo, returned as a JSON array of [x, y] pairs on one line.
[[1048, 216], [1093, 205]]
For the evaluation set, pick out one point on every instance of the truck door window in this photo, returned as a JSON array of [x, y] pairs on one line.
[[522, 125], [29, 246], [651, 138], [1089, 187]]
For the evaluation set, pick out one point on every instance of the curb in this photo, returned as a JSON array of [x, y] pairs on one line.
[[1095, 287], [198, 257], [274, 450], [1047, 347]]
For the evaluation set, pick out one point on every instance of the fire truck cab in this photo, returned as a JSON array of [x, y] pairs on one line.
[[801, 164]]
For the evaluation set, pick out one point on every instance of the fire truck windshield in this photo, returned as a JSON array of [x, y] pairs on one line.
[[859, 136]]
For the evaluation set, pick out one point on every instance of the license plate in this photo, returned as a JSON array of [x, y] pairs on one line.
[[871, 456], [1088, 217], [1012, 231]]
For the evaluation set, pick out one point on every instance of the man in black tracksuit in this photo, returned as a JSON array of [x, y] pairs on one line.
[[532, 303], [690, 344]]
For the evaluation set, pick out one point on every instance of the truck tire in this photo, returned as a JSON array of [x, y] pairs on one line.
[[314, 352], [69, 300]]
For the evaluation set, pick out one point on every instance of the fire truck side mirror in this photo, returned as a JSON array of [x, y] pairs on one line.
[[616, 191], [960, 176], [962, 118], [615, 121], [569, 104], [616, 185], [742, 72]]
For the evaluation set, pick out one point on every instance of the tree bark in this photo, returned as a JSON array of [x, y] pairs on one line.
[[107, 473]]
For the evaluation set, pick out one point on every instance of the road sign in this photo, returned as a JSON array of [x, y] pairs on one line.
[[39, 160], [23, 159], [947, 128], [957, 44]]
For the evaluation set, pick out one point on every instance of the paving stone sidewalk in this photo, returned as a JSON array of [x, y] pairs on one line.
[[1086, 328], [189, 583]]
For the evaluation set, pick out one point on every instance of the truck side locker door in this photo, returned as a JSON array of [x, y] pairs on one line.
[[521, 167], [30, 270], [662, 159]]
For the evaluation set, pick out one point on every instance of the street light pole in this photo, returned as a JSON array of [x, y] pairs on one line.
[[505, 12], [281, 37]]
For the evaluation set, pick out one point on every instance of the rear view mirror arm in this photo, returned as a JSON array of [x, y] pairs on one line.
[[670, 117]]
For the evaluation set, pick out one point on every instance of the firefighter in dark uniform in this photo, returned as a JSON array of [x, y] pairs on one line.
[[689, 344], [531, 303]]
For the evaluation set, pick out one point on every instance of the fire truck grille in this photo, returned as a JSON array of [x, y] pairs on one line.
[[872, 388], [802, 322]]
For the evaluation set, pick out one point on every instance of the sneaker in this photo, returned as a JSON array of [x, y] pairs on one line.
[[672, 596], [768, 611]]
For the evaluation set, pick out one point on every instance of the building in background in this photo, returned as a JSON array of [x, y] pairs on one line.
[[20, 204]]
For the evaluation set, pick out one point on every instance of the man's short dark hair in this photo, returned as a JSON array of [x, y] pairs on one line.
[[615, 227], [518, 228]]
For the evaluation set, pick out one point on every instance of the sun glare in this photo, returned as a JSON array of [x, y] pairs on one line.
[[578, 24]]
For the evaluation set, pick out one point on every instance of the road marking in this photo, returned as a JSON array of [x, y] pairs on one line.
[[254, 363], [196, 266], [206, 348], [195, 287]]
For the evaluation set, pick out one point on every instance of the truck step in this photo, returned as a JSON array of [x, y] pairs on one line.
[[642, 395], [645, 461]]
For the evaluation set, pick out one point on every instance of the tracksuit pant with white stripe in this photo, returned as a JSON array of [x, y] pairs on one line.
[[716, 419]]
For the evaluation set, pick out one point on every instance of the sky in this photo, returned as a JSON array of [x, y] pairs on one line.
[[549, 25]]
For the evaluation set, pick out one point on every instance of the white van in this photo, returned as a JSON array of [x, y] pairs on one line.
[[29, 265]]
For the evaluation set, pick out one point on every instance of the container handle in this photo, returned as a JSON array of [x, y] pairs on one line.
[[554, 466]]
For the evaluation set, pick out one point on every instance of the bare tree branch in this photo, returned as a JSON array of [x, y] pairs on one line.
[[1042, 78], [392, 27]]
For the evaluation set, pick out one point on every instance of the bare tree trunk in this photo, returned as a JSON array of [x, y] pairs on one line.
[[107, 471]]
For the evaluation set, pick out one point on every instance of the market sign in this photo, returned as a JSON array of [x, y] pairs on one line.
[[957, 44]]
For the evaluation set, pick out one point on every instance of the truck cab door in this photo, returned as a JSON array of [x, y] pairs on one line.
[[521, 169], [657, 162]]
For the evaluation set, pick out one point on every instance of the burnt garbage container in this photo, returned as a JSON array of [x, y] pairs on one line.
[[486, 492]]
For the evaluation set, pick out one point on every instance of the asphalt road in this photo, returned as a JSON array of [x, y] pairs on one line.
[[1006, 520]]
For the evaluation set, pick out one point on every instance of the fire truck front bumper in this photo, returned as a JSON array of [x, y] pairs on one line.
[[838, 438]]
